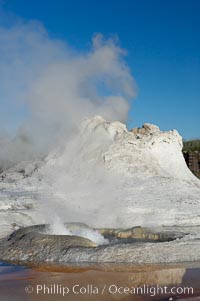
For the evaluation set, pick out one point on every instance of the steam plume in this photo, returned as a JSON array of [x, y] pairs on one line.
[[51, 87]]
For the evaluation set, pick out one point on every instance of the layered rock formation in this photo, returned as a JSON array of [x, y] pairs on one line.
[[35, 244]]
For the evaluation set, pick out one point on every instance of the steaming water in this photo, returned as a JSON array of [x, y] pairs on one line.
[[58, 228], [58, 90]]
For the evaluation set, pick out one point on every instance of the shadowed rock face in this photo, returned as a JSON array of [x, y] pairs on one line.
[[34, 244]]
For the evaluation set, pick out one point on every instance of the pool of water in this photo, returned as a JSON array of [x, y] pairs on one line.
[[99, 282]]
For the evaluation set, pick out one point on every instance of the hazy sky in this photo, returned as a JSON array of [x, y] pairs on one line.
[[162, 39]]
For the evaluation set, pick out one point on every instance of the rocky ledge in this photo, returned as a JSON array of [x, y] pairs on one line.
[[135, 245]]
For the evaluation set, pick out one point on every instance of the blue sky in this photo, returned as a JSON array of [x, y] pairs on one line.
[[162, 39]]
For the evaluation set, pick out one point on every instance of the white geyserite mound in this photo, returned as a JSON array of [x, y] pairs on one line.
[[144, 151], [105, 176], [109, 176], [141, 152]]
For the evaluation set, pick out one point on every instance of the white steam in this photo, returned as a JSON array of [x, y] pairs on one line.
[[51, 87], [58, 228]]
